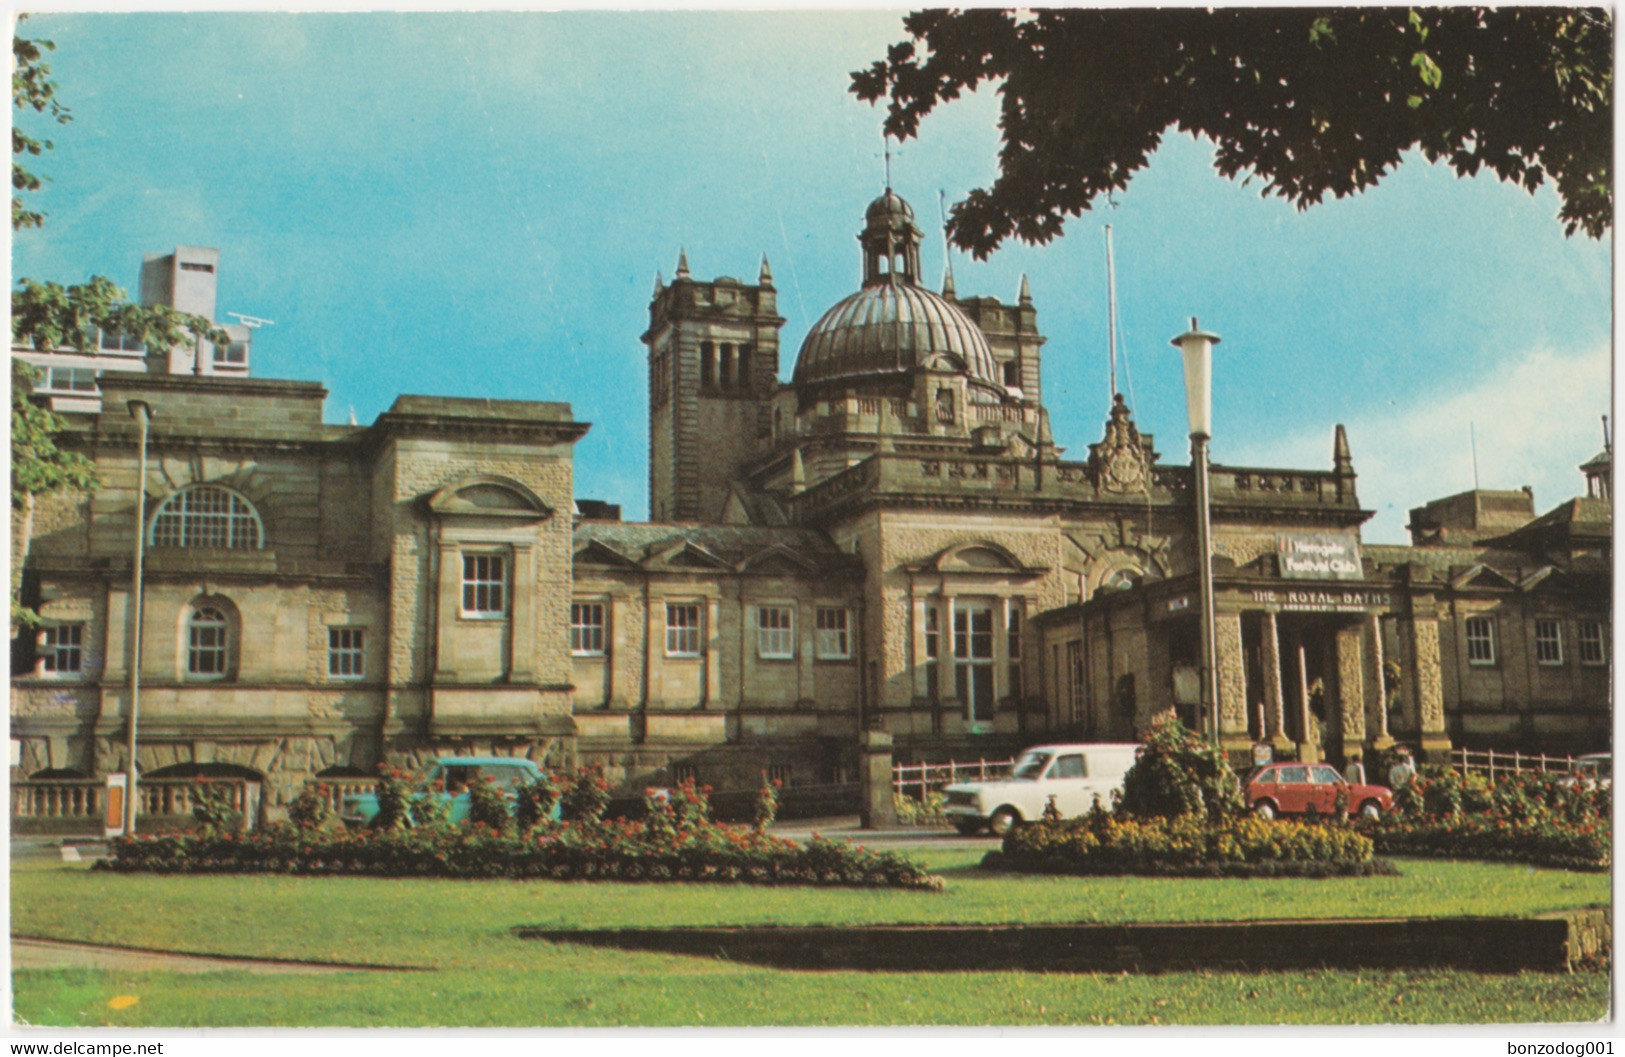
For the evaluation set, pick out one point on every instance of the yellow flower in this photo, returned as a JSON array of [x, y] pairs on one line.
[[122, 1001]]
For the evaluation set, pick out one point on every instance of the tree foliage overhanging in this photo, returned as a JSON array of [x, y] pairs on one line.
[[1307, 101]]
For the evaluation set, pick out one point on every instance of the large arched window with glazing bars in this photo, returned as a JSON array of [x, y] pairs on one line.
[[208, 516]]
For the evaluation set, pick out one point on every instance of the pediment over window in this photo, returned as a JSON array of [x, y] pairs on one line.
[[983, 557], [597, 552], [777, 560], [686, 555], [1482, 576], [486, 496]]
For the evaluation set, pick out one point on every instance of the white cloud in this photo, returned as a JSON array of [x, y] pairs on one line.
[[1535, 418]]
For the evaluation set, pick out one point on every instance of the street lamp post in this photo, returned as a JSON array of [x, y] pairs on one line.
[[142, 413], [1196, 346]]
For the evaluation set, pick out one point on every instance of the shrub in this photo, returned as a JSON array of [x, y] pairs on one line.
[[393, 792], [617, 849], [766, 808], [1185, 845], [1177, 773], [212, 807], [487, 806], [586, 797], [311, 808], [927, 812], [534, 803], [1521, 817]]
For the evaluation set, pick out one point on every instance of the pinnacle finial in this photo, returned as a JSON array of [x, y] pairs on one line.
[[766, 276], [798, 473], [1026, 294], [660, 284], [948, 281], [1341, 459], [682, 264]]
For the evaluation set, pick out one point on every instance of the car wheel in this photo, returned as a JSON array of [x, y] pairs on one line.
[[1370, 809], [1264, 809], [1003, 821], [968, 827]]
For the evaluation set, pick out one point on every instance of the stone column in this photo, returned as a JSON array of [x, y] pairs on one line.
[[875, 775], [1350, 724], [522, 623], [1426, 687], [1380, 683], [945, 650], [713, 655], [1274, 696], [1232, 678], [921, 673], [806, 634], [450, 604], [1307, 750]]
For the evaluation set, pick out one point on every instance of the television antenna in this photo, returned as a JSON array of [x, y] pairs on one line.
[[251, 322]]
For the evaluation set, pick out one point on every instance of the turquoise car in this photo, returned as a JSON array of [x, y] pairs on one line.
[[454, 774]]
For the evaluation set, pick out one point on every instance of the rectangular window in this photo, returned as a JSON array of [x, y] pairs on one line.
[[70, 380], [62, 647], [346, 657], [234, 354], [1480, 640], [1591, 642], [1074, 677], [775, 632], [587, 629], [1548, 642], [483, 584], [933, 631], [682, 629], [834, 639]]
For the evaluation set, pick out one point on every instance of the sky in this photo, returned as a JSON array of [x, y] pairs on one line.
[[478, 204]]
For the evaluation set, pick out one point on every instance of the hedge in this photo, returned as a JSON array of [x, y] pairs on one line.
[[618, 849], [1543, 819], [1186, 846]]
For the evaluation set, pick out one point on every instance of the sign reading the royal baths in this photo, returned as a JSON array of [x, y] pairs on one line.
[[1319, 556]]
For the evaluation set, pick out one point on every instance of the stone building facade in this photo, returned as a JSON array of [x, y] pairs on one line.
[[890, 542]]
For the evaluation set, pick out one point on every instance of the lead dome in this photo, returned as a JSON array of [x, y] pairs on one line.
[[894, 326]]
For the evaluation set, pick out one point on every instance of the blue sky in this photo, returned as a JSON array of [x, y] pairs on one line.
[[477, 204]]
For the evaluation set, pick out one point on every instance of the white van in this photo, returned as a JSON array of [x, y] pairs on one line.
[[1075, 775]]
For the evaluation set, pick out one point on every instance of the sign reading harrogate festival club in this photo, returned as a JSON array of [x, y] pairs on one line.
[[1319, 556]]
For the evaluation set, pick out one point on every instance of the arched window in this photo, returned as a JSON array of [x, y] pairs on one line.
[[210, 516], [208, 644]]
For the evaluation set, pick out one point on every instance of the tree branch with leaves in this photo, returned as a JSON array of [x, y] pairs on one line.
[[1309, 102]]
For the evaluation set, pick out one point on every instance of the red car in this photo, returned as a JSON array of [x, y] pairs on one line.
[[1301, 788]]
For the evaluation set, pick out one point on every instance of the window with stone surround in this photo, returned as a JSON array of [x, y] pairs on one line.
[[62, 649], [1591, 642], [1480, 640], [208, 644], [484, 586], [1548, 642], [346, 653], [834, 634], [683, 629], [207, 516], [587, 629], [775, 632]]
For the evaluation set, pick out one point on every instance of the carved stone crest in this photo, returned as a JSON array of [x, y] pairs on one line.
[[1120, 460]]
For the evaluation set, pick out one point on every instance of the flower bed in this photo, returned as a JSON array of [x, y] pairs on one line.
[[1186, 846], [1536, 818], [674, 842]]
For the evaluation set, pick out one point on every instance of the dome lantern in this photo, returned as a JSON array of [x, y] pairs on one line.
[[891, 242]]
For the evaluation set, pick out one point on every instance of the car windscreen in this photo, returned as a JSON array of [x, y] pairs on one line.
[[1030, 766], [507, 779]]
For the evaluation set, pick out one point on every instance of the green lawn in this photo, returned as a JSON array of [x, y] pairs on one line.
[[484, 976]]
